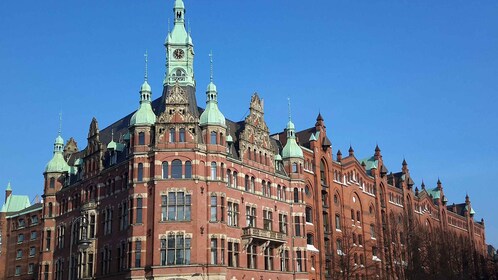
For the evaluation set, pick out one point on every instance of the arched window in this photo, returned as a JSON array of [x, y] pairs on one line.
[[165, 170], [182, 135], [229, 178], [140, 171], [213, 137], [252, 184], [296, 195], [176, 169], [188, 169], [352, 215], [172, 135], [268, 189], [213, 170], [235, 179], [309, 239], [358, 216], [221, 139], [323, 177], [52, 183], [50, 209], [141, 138], [246, 184], [309, 215], [294, 167]]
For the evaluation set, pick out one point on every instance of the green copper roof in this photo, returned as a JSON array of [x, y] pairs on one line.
[[9, 188], [370, 163], [57, 163], [15, 203], [212, 115], [144, 115], [435, 193], [291, 149], [472, 212]]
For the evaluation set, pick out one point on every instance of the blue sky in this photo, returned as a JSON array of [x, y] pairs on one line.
[[417, 77]]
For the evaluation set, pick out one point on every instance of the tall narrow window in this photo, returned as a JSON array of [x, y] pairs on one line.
[[268, 258], [213, 137], [182, 135], [213, 213], [214, 251], [337, 222], [165, 170], [267, 219], [141, 138], [251, 256], [138, 253], [213, 170], [176, 169], [282, 223], [52, 183], [48, 239], [235, 179], [246, 184], [50, 209], [253, 180], [297, 225], [323, 179], [308, 215], [188, 170], [172, 135], [140, 171], [284, 260], [229, 178], [294, 167], [139, 210], [299, 261], [250, 216], [296, 195]]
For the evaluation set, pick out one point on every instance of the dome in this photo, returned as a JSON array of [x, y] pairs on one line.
[[57, 164], [112, 145], [59, 140], [212, 115], [292, 150], [179, 4], [144, 115], [229, 138], [211, 87], [145, 87], [278, 157], [290, 125]]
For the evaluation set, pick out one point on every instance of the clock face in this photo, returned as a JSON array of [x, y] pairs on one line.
[[178, 54]]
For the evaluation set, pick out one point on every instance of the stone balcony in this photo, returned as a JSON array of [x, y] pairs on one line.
[[263, 235]]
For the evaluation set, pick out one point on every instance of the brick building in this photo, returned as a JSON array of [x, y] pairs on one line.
[[175, 191]]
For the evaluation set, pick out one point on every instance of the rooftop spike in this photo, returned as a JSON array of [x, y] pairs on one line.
[[146, 61], [404, 162], [211, 64], [289, 108]]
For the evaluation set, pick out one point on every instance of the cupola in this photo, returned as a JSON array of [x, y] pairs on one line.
[[144, 115], [212, 114], [291, 149]]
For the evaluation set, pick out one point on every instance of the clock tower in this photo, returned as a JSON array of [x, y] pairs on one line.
[[179, 51]]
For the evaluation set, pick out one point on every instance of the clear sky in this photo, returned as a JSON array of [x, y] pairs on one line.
[[420, 78]]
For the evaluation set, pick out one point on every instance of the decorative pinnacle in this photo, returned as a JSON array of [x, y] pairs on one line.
[[112, 135], [60, 123], [211, 62], [169, 28], [146, 61], [289, 105]]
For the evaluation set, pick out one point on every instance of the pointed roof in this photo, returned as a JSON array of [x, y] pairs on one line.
[[319, 117], [404, 162], [9, 188], [15, 203], [291, 149]]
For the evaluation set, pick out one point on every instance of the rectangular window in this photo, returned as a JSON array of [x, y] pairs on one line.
[[250, 216], [282, 223], [18, 271], [284, 260], [34, 220], [48, 239], [214, 251], [92, 226], [20, 238], [222, 209], [297, 225], [19, 254], [33, 235], [222, 253], [90, 265], [269, 258], [31, 268], [213, 217], [141, 138], [139, 210], [21, 223], [175, 250], [233, 214], [251, 256], [299, 261], [138, 253], [32, 251], [267, 219], [372, 231], [337, 222], [176, 206]]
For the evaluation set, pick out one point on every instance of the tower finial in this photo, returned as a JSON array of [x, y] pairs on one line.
[[60, 123], [211, 63], [289, 105], [169, 28], [112, 135], [146, 61]]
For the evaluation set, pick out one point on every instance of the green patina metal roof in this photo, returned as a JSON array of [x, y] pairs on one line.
[[212, 115], [15, 203], [291, 149], [57, 163], [9, 188], [144, 115], [472, 212], [435, 193], [370, 163]]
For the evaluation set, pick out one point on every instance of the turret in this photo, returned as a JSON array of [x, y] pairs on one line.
[[57, 164], [292, 154], [351, 151], [212, 115], [8, 191], [144, 115]]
